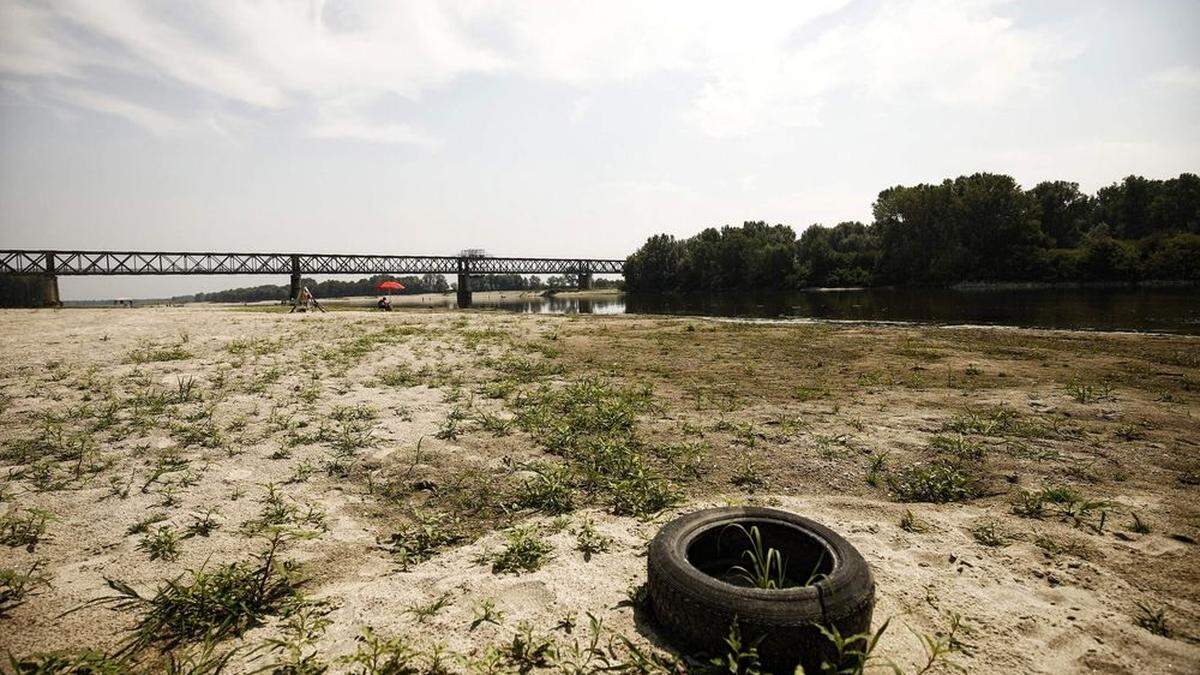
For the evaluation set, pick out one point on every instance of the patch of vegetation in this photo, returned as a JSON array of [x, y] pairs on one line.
[[591, 425], [150, 352], [989, 533], [429, 533], [24, 527], [162, 543], [524, 551], [424, 612], [938, 483], [957, 446], [1065, 504], [16, 585], [1089, 392], [589, 541], [208, 604], [548, 490]]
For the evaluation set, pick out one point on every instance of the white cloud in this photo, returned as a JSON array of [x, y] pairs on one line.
[[147, 118], [1184, 77], [751, 70]]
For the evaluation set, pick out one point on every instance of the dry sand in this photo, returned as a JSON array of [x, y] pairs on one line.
[[804, 407]]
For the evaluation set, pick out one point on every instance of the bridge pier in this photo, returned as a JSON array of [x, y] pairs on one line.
[[294, 291], [585, 281], [29, 290], [464, 291]]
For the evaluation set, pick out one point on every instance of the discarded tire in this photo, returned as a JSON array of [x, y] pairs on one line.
[[697, 608]]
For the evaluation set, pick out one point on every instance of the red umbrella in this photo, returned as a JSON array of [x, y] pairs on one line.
[[390, 286]]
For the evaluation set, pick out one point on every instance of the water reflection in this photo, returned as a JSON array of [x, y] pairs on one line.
[[1154, 309]]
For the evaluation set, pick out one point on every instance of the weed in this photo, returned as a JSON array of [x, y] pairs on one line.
[[548, 490], [938, 483], [878, 462], [1085, 392], [149, 352], [380, 656], [305, 624], [1138, 525], [16, 585], [989, 533], [748, 474], [1065, 504], [203, 523], [420, 540], [162, 543], [957, 446], [144, 524], [590, 542], [201, 604], [24, 527], [486, 612], [909, 523], [852, 654], [741, 655], [767, 568], [524, 551], [423, 613]]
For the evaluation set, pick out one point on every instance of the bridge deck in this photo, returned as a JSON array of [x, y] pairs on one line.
[[74, 263]]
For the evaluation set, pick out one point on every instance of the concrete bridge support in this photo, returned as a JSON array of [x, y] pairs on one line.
[[464, 291], [294, 291], [29, 290], [585, 281]]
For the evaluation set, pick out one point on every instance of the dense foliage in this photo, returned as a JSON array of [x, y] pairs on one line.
[[982, 228]]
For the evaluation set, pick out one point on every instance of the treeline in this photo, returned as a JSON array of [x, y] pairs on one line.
[[429, 283], [978, 228]]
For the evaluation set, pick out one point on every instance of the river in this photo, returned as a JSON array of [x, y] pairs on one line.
[[1171, 310]]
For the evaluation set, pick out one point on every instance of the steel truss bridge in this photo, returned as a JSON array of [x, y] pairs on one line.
[[49, 264]]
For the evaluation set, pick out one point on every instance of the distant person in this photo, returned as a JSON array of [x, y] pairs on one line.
[[384, 304]]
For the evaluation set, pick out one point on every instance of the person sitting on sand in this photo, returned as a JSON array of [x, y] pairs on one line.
[[384, 304]]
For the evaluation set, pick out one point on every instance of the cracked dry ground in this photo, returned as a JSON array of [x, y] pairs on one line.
[[433, 477]]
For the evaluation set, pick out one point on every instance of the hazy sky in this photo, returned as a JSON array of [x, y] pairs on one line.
[[554, 128]]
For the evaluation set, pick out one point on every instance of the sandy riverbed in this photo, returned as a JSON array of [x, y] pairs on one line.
[[365, 421]]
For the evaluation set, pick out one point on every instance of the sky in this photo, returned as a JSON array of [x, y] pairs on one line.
[[554, 128]]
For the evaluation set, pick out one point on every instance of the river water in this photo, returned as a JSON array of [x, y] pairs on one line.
[[1173, 310]]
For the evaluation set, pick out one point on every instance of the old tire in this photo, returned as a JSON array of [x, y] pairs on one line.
[[697, 609]]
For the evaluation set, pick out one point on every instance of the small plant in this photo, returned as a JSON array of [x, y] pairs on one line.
[[1138, 526], [203, 523], [24, 527], [423, 613], [420, 540], [486, 612], [741, 656], [549, 490], [1152, 619], [202, 604], [590, 542], [1084, 392], [988, 533], [1065, 504], [909, 523], [748, 474], [381, 656], [524, 551], [852, 654], [16, 585], [142, 526], [957, 446], [161, 543], [767, 568], [878, 462], [938, 483]]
